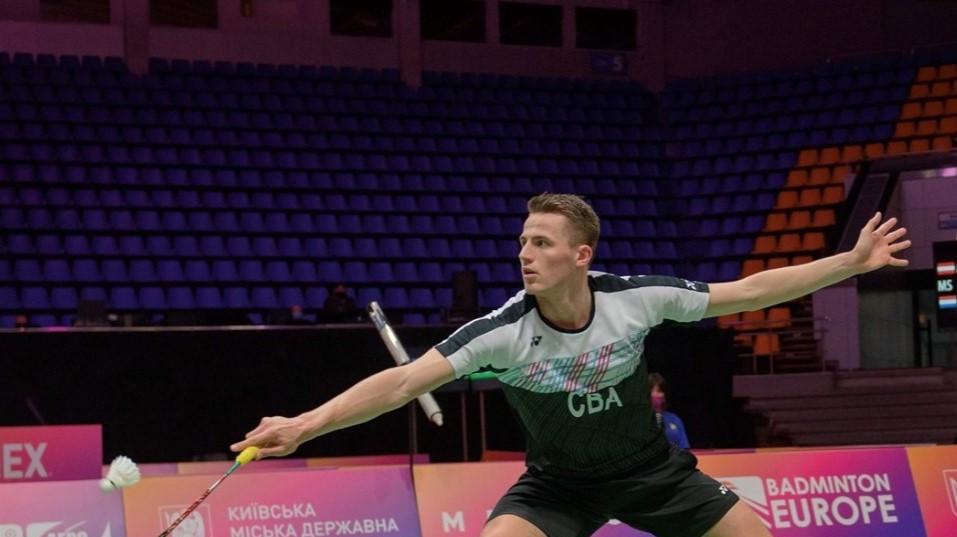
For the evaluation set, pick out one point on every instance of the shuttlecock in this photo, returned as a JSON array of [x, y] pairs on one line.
[[123, 472]]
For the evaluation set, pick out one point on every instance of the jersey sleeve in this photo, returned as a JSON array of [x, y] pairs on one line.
[[671, 298], [485, 342]]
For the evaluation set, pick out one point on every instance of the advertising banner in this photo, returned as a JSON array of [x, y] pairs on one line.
[[51, 453], [64, 509], [840, 493], [935, 477], [295, 503]]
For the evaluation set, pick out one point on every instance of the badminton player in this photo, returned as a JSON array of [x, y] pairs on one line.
[[568, 350]]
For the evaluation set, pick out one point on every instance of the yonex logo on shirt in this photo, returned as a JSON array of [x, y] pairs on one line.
[[536, 340]]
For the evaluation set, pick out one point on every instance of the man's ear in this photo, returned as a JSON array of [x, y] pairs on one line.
[[585, 255]]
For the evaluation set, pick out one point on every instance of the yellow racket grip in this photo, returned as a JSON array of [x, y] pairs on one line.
[[247, 455]]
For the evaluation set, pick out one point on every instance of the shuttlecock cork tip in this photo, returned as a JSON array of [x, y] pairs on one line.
[[123, 472]]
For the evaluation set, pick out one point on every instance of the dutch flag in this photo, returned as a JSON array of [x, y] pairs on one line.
[[947, 302], [946, 268]]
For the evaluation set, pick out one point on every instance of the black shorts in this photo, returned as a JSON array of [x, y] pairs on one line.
[[668, 498]]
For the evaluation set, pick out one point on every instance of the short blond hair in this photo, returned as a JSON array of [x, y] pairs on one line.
[[582, 219]]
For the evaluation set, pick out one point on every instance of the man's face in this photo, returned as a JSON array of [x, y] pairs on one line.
[[547, 256]]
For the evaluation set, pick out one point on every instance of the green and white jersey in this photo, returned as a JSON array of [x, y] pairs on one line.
[[582, 396]]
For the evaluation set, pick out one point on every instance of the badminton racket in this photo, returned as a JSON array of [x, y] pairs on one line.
[[426, 401], [245, 456]]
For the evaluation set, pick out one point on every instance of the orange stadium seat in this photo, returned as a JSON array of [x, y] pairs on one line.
[[765, 244], [911, 110], [787, 199], [810, 197], [832, 195], [799, 220], [942, 142], [820, 175], [823, 217], [812, 241], [776, 222], [927, 73], [852, 153], [780, 317], [797, 177], [904, 129], [896, 147], [941, 88], [933, 108], [767, 344], [789, 242], [751, 266], [919, 91], [919, 144], [778, 262], [926, 127], [948, 71], [829, 155]]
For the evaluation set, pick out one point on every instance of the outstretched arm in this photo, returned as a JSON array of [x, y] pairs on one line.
[[876, 247], [386, 390]]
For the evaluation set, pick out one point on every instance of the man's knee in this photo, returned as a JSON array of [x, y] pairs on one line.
[[510, 526]]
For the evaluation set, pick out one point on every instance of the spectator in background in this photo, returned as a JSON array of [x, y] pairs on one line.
[[22, 321], [296, 316], [672, 424], [340, 307]]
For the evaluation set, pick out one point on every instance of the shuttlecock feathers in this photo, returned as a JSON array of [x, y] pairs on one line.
[[123, 472]]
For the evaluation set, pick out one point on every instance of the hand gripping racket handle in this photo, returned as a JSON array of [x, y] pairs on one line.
[[244, 457]]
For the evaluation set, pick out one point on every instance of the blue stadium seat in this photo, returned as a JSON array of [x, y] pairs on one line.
[[303, 271], [85, 271], [265, 247], [142, 270], [123, 298], [64, 298], [114, 271], [152, 298], [27, 270], [35, 298], [288, 296], [290, 247], [355, 271], [390, 247], [278, 272], [406, 271], [315, 247], [381, 272], [301, 223], [239, 246], [105, 245], [365, 247], [208, 298], [492, 297], [264, 297], [57, 270], [329, 271], [93, 293], [9, 297], [395, 297], [186, 246], [315, 297], [180, 298], [20, 244], [236, 297]]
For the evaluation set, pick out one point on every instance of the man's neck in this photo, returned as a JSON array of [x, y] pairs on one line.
[[571, 310]]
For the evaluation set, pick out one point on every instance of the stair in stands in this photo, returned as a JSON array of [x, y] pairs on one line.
[[899, 406]]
